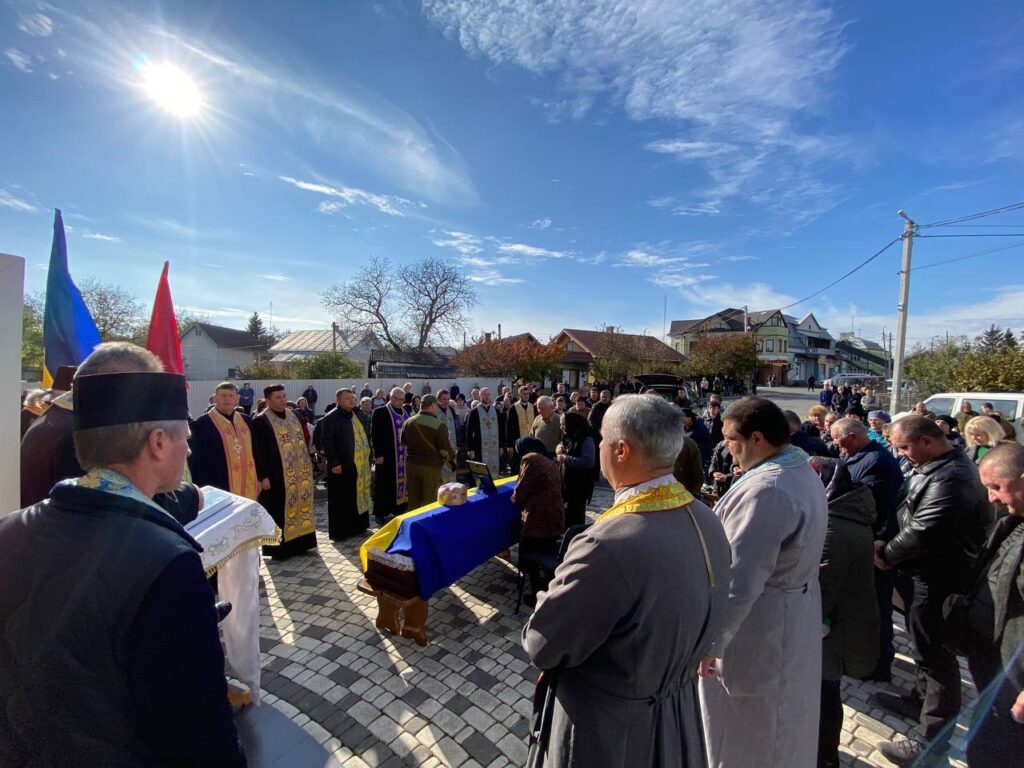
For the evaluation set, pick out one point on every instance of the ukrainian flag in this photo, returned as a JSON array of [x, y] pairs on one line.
[[69, 332]]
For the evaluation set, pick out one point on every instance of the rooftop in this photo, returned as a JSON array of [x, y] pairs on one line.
[[646, 347], [226, 338]]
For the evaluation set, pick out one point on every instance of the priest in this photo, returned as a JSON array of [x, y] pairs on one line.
[[347, 452], [221, 446], [390, 492], [446, 415], [485, 433], [285, 473], [518, 421]]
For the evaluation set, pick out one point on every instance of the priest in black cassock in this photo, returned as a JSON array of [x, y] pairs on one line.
[[221, 446], [285, 473], [347, 452], [390, 493]]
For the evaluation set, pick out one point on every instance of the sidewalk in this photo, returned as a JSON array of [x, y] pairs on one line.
[[464, 700]]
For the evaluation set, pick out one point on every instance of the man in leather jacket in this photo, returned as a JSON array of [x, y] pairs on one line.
[[943, 525]]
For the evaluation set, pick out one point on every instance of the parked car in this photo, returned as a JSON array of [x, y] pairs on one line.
[[1010, 405]]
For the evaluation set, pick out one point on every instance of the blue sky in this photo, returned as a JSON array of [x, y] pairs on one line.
[[582, 162]]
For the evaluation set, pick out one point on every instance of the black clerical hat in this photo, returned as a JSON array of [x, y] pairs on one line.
[[106, 399], [64, 377]]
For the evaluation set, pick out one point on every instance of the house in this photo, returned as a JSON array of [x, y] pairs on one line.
[[813, 348], [769, 327], [212, 352], [857, 355], [299, 345], [584, 348]]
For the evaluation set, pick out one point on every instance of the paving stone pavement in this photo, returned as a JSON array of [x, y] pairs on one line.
[[463, 700]]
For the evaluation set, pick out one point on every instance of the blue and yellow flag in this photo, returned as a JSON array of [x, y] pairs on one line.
[[69, 332]]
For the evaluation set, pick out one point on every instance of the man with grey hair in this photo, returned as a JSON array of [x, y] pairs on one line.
[[546, 426], [485, 433], [390, 489], [105, 599], [631, 610], [997, 616]]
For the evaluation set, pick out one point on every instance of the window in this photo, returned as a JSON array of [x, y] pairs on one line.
[[941, 406], [769, 345], [569, 347], [1007, 408]]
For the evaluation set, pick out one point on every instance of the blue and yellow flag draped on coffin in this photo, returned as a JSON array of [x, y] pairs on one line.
[[69, 332]]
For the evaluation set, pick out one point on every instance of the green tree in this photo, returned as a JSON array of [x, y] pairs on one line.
[[731, 354], [32, 337], [114, 309], [980, 369], [1009, 340], [932, 370], [991, 339], [617, 356], [327, 365], [265, 371], [256, 327]]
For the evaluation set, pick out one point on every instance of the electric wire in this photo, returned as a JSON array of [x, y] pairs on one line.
[[973, 216], [968, 256], [860, 266]]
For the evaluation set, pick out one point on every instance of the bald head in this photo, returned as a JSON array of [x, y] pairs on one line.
[[1002, 473]]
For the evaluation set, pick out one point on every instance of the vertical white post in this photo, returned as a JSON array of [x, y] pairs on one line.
[[901, 313], [12, 284]]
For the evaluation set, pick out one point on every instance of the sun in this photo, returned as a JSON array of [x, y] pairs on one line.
[[172, 89]]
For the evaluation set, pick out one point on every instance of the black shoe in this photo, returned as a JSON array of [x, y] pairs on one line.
[[908, 706], [907, 752], [879, 674]]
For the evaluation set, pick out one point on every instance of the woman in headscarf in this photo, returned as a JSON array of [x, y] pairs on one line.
[[577, 456], [948, 425], [539, 498]]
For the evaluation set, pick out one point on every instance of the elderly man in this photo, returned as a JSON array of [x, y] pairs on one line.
[[877, 420], [631, 610], [760, 684], [546, 426], [871, 463], [942, 528], [390, 489], [922, 410], [347, 453], [286, 474], [485, 433], [110, 654], [998, 618], [446, 415], [598, 410], [428, 449]]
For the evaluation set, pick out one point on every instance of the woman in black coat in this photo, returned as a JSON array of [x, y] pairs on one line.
[[577, 457]]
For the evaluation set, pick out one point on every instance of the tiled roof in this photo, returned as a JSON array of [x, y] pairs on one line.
[[316, 341], [646, 347], [227, 338]]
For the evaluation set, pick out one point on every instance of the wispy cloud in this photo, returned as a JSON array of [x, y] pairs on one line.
[[463, 242], [19, 60], [36, 24], [277, 278], [493, 277], [757, 296], [641, 258], [531, 251], [7, 200], [100, 236], [343, 197], [166, 226], [679, 280], [541, 224], [739, 258], [735, 74]]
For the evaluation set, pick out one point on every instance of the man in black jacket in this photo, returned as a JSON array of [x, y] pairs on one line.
[[943, 524]]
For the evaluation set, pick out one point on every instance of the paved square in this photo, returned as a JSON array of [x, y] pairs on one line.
[[464, 700]]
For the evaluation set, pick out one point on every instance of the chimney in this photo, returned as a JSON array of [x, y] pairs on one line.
[[487, 337], [499, 331]]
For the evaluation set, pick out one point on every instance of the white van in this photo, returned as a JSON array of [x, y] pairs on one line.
[[1009, 404]]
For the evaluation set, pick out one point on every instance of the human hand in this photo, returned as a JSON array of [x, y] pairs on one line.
[[1017, 710], [336, 470], [880, 563], [379, 460], [736, 471], [265, 484], [718, 476], [471, 454], [709, 667]]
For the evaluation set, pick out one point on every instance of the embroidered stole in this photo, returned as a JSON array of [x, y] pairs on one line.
[[298, 475], [361, 448], [237, 442], [660, 498], [398, 419], [525, 417], [489, 437], [447, 417]]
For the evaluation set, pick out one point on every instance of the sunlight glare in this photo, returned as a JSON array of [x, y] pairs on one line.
[[172, 89]]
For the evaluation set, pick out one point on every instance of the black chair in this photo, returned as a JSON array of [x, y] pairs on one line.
[[545, 562]]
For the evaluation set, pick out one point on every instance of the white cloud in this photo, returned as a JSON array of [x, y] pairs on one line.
[[641, 258], [541, 223], [756, 296], [735, 74], [166, 226], [531, 251], [100, 236], [7, 200], [679, 280], [36, 24], [277, 278], [463, 242], [493, 277], [19, 60], [343, 197], [739, 258]]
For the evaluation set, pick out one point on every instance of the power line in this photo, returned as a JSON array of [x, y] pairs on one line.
[[973, 216], [863, 264], [968, 256], [980, 234]]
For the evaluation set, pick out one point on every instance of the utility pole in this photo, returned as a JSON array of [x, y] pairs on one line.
[[909, 228], [334, 337]]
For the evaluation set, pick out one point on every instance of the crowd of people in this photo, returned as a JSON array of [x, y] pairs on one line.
[[670, 633]]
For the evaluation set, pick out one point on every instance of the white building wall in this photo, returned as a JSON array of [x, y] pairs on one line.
[[12, 282], [203, 359]]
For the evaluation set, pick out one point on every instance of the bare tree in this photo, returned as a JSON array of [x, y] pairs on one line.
[[408, 306], [115, 310], [435, 300]]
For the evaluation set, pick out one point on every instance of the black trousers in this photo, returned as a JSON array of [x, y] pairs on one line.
[[938, 673], [830, 724], [885, 583], [543, 546], [996, 740]]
